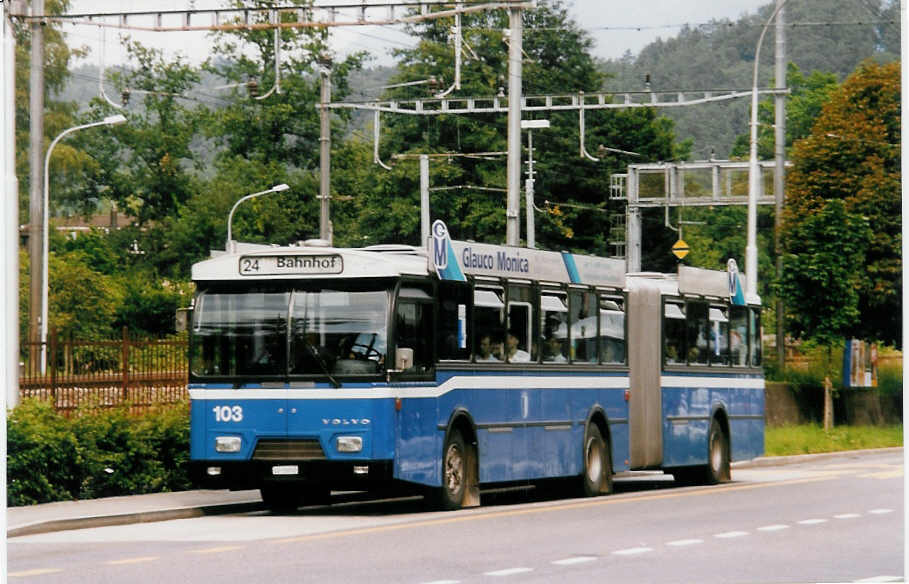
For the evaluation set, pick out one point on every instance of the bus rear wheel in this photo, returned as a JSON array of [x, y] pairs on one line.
[[718, 455], [597, 476]]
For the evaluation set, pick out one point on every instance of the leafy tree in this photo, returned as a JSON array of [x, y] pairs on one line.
[[557, 61], [81, 301], [851, 156], [147, 169]]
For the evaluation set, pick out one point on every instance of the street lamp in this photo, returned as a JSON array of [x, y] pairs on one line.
[[751, 263], [230, 245], [108, 121]]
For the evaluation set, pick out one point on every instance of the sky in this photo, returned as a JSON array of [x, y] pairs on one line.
[[615, 26]]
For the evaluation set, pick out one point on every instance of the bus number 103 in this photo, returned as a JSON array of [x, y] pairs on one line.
[[228, 413]]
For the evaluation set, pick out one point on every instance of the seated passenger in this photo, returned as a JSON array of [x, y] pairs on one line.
[[553, 351], [485, 349], [512, 352]]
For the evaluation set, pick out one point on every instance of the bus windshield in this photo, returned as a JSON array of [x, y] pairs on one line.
[[264, 333]]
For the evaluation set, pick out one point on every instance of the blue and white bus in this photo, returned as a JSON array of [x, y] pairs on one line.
[[316, 368]]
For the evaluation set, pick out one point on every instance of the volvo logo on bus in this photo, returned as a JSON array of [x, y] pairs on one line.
[[345, 421], [439, 245]]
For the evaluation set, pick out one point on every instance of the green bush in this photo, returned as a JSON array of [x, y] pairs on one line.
[[95, 453]]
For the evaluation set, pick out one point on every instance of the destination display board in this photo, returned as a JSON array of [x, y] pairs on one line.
[[291, 265]]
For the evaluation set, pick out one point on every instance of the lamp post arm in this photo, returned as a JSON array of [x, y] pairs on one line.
[[228, 246]]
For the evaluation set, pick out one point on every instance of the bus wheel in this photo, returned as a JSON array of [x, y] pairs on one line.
[[718, 455], [282, 498], [597, 476], [454, 472]]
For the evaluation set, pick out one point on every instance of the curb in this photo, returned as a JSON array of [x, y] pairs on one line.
[[132, 518], [765, 461]]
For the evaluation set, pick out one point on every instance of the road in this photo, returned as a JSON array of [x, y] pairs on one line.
[[834, 520]]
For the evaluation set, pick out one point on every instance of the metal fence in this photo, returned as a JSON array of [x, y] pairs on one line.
[[131, 371]]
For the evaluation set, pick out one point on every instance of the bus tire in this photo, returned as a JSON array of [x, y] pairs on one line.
[[597, 476], [282, 498], [717, 455], [454, 472]]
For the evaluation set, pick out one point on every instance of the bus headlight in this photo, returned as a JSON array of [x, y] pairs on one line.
[[227, 444], [350, 443]]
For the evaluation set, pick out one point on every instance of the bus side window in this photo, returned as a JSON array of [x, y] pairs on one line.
[[719, 335], [583, 309], [674, 331], [612, 331], [489, 321], [522, 328], [698, 333], [754, 339], [454, 333], [738, 336], [413, 327]]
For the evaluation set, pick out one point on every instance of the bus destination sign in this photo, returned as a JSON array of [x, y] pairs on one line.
[[291, 265]]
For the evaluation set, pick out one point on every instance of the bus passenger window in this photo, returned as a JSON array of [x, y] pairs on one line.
[[489, 322], [754, 327], [719, 336], [454, 302], [554, 327], [583, 315], [698, 333], [612, 332], [521, 326], [674, 331], [738, 336]]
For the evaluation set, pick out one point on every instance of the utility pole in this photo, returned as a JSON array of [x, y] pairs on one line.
[[512, 219], [36, 176], [779, 177], [325, 152]]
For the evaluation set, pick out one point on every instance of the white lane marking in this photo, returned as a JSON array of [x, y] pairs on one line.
[[882, 579], [508, 572], [777, 527], [35, 572], [731, 534], [847, 516], [443, 582], [812, 521], [684, 542], [573, 561], [880, 511], [132, 561], [633, 551]]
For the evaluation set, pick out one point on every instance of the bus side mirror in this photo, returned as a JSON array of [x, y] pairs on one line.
[[403, 358]]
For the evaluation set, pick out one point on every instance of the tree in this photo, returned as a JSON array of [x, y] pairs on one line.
[[557, 61], [853, 156]]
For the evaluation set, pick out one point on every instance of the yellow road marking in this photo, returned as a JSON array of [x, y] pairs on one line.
[[132, 561], [218, 550], [599, 502], [35, 572], [893, 474]]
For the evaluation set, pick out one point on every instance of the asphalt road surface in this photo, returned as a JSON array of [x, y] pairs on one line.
[[834, 520]]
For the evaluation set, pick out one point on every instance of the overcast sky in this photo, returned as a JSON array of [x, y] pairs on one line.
[[616, 26]]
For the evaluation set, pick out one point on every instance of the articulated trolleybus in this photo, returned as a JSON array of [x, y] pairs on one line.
[[316, 368]]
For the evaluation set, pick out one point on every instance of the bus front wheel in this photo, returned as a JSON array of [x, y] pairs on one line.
[[718, 455], [454, 472], [597, 476]]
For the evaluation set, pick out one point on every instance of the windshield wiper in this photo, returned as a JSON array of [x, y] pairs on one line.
[[321, 361]]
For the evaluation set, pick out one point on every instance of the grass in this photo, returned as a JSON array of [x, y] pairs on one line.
[[811, 439]]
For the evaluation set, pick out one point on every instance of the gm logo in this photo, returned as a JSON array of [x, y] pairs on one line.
[[439, 244]]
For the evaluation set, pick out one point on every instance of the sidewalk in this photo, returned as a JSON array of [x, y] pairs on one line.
[[47, 517], [66, 515]]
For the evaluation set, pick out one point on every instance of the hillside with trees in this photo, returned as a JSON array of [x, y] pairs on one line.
[[828, 37]]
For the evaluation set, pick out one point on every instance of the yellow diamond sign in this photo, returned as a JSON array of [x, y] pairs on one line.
[[680, 249]]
